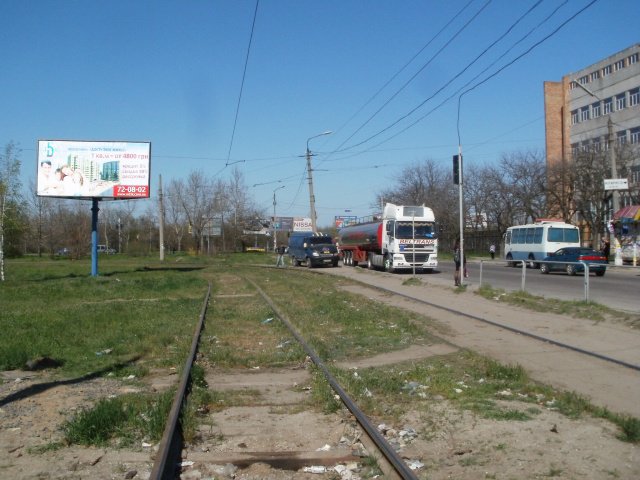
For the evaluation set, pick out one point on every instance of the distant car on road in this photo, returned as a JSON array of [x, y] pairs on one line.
[[63, 251], [559, 261], [104, 249]]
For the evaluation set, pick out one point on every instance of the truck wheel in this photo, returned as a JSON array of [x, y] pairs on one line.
[[309, 263], [388, 264], [370, 265]]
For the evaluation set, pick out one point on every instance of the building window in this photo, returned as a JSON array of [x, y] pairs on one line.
[[606, 71], [634, 97], [621, 137], [595, 110], [583, 80], [595, 75], [608, 106], [596, 146], [585, 146], [584, 114], [619, 65], [632, 59], [574, 149], [620, 102], [574, 117], [635, 135]]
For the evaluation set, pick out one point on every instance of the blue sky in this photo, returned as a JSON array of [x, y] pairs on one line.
[[171, 73]]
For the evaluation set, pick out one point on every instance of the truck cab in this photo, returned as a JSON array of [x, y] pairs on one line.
[[312, 249]]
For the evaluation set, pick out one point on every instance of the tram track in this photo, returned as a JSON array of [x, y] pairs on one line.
[[168, 456], [501, 325]]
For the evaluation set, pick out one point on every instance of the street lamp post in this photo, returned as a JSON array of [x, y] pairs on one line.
[[275, 224], [312, 198]]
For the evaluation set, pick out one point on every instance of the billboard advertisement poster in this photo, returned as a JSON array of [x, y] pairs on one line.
[[93, 169], [301, 224]]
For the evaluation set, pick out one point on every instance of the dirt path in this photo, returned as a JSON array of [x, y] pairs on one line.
[[606, 384]]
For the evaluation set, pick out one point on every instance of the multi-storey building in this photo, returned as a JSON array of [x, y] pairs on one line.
[[594, 110]]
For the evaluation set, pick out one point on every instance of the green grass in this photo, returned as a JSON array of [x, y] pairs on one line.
[[53, 309], [144, 312], [577, 309], [121, 420]]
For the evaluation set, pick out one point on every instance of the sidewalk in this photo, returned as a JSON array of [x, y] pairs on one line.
[[606, 384]]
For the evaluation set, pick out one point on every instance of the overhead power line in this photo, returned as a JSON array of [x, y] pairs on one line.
[[456, 76], [244, 74]]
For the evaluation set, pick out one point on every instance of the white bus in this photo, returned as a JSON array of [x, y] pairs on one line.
[[537, 240]]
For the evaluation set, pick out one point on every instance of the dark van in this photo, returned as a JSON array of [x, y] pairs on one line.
[[312, 249]]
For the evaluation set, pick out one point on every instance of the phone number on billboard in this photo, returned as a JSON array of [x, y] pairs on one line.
[[131, 191]]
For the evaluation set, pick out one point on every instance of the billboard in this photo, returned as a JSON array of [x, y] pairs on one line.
[[302, 224], [87, 169]]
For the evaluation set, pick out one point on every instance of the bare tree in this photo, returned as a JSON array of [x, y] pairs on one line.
[[427, 183], [10, 197], [196, 198], [561, 190], [176, 217], [592, 168]]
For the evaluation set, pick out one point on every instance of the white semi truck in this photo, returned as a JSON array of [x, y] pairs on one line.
[[403, 238]]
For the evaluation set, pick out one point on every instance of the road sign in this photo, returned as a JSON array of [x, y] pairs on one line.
[[616, 184]]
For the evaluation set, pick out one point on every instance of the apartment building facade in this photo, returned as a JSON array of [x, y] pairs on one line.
[[595, 109]]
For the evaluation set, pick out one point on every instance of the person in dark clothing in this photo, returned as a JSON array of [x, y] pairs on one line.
[[281, 251], [456, 259], [606, 249]]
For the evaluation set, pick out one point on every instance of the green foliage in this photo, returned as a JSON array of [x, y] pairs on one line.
[[577, 309], [128, 418], [56, 310]]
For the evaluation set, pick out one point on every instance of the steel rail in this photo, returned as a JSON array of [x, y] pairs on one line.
[[381, 443], [512, 329], [166, 459]]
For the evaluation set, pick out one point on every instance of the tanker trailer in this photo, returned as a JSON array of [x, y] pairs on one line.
[[403, 238]]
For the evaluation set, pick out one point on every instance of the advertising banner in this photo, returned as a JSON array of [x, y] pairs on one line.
[[345, 220], [302, 224], [88, 169]]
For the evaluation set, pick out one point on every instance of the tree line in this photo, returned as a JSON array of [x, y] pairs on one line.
[[205, 214]]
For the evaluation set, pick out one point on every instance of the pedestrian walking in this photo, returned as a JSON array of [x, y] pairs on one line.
[[459, 261], [492, 250], [280, 260]]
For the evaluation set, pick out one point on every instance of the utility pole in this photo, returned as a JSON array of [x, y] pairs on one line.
[[275, 224], [614, 168], [312, 198], [161, 221]]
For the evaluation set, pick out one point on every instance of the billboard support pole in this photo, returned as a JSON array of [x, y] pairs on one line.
[[94, 237]]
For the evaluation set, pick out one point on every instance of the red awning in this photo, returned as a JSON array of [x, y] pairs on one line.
[[629, 213]]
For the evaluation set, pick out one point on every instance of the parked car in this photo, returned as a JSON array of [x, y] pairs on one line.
[[628, 253], [558, 261]]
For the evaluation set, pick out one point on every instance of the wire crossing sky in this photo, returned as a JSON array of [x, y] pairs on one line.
[[217, 86]]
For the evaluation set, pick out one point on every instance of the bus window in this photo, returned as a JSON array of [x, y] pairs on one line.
[[530, 232], [507, 239], [537, 237], [516, 235], [569, 235]]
